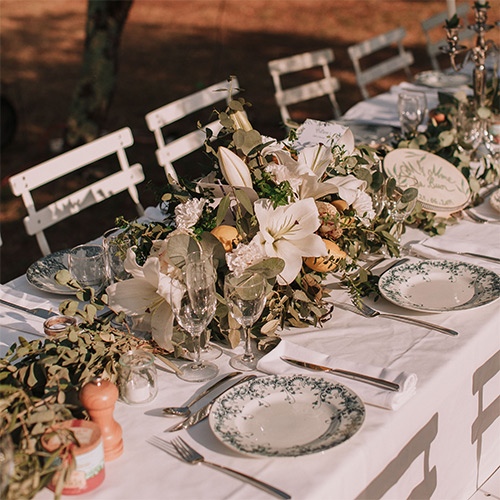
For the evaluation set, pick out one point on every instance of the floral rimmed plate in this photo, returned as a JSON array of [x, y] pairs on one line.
[[438, 79], [495, 200], [41, 273], [286, 415], [442, 188], [439, 286]]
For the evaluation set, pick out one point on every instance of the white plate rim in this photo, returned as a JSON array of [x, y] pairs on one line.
[[224, 410], [47, 267], [392, 165], [396, 274], [495, 200], [423, 79]]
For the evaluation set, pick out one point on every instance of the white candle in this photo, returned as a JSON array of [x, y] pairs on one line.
[[137, 391], [481, 2], [452, 8]]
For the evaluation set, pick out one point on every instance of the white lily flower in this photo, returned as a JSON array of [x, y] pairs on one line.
[[146, 292], [314, 160], [347, 187], [364, 206], [234, 168], [288, 232]]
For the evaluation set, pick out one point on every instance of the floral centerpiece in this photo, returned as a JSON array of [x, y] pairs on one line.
[[296, 213]]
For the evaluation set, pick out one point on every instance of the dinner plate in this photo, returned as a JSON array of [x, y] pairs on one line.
[[438, 79], [495, 200], [286, 415], [41, 273], [442, 188], [439, 286]]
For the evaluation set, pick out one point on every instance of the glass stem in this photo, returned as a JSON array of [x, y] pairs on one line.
[[197, 351], [248, 356]]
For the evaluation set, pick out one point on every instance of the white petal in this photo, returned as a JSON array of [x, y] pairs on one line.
[[234, 168], [312, 246], [162, 322], [133, 296], [293, 261]]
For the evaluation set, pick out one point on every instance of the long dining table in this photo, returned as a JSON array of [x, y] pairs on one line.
[[441, 442]]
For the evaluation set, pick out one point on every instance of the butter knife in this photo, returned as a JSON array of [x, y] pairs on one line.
[[469, 254], [203, 412], [378, 382], [41, 313]]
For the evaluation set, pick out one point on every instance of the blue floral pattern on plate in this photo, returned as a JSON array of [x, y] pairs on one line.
[[41, 273], [286, 415], [439, 286]]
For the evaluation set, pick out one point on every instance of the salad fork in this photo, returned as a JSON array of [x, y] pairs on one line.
[[178, 448], [367, 311]]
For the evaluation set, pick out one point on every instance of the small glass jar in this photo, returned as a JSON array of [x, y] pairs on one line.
[[58, 324], [138, 378]]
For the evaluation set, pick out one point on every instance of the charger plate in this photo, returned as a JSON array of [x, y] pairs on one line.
[[41, 273], [442, 188], [439, 286], [286, 415]]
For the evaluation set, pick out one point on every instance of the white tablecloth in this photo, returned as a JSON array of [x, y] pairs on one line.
[[442, 444]]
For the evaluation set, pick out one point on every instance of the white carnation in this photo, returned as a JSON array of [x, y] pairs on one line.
[[244, 256], [188, 214]]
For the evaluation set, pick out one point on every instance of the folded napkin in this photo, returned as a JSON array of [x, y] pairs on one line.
[[271, 363], [466, 237], [382, 110]]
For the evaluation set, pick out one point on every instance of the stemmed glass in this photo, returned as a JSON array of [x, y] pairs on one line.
[[399, 208], [412, 107], [6, 462], [193, 302], [245, 296]]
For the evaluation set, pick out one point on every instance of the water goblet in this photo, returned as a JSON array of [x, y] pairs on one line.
[[193, 302], [6, 462], [245, 298], [399, 206], [87, 265], [116, 244], [412, 108]]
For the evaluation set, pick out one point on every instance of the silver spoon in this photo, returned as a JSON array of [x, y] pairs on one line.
[[184, 411]]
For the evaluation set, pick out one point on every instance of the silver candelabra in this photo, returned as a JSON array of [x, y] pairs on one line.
[[477, 53]]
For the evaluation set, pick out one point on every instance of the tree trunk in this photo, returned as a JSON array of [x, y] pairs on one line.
[[94, 91]]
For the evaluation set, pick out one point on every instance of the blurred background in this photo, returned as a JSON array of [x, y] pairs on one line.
[[168, 49]]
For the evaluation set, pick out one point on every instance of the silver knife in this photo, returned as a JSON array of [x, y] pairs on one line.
[[378, 382], [41, 313], [470, 254], [203, 412]]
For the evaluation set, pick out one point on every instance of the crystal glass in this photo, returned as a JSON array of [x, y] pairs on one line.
[[399, 209], [138, 377], [6, 462], [412, 108], [116, 244], [492, 137], [193, 301], [87, 265], [245, 298]]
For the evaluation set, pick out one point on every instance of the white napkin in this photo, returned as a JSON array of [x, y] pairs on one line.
[[382, 109], [468, 236], [271, 363]]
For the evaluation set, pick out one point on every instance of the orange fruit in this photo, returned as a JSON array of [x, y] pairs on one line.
[[227, 235], [325, 264]]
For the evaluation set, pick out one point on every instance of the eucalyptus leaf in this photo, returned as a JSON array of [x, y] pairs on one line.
[[268, 268], [244, 200], [178, 248], [222, 210], [409, 195]]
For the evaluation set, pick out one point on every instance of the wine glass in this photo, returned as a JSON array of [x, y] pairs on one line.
[[116, 244], [412, 107], [245, 296], [6, 462], [193, 302], [400, 206], [87, 265]]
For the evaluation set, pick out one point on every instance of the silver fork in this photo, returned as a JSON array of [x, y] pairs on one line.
[[178, 448], [371, 313]]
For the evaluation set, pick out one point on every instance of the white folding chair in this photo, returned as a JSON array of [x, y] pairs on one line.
[[166, 154], [327, 86], [126, 178], [402, 61], [435, 33]]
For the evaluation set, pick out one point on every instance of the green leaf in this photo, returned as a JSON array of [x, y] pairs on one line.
[[244, 200], [222, 210], [178, 247], [268, 268], [235, 105], [252, 139], [409, 195], [63, 276]]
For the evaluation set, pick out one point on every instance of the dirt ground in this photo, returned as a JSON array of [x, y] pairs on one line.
[[169, 49]]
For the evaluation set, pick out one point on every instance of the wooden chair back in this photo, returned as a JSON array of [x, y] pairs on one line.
[[402, 61], [126, 178], [168, 153], [326, 86]]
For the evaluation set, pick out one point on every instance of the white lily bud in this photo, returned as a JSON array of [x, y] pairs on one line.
[[241, 121], [234, 168]]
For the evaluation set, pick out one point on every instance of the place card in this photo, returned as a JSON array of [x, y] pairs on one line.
[[313, 132]]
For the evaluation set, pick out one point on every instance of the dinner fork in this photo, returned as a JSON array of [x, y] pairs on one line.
[[367, 311], [178, 448]]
